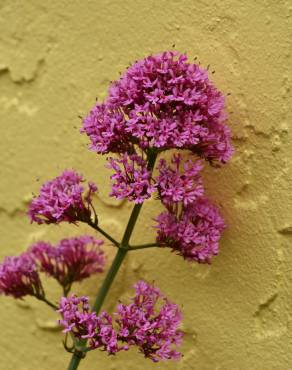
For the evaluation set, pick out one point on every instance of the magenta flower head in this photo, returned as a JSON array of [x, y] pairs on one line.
[[194, 232], [19, 277], [87, 325], [71, 260], [162, 102], [176, 184], [62, 199], [131, 179], [105, 126], [151, 323], [171, 103]]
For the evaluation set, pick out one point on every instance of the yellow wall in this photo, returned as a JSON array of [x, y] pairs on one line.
[[55, 57]]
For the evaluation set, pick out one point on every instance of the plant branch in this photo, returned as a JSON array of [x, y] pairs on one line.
[[102, 293], [75, 360], [104, 233], [44, 299], [66, 289], [142, 246]]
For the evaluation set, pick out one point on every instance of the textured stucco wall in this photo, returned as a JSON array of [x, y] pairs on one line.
[[55, 57]]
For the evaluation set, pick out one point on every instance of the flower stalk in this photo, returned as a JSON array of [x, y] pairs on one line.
[[123, 248], [143, 246], [45, 300], [95, 226]]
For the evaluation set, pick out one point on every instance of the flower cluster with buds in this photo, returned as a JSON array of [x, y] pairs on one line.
[[150, 322], [71, 260], [84, 324], [176, 186], [131, 179], [19, 277], [164, 102], [193, 232], [62, 199], [161, 102]]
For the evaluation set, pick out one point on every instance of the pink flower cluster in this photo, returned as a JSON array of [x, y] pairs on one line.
[[166, 102], [194, 232], [150, 322], [131, 179], [62, 199], [87, 325], [19, 277], [71, 259], [191, 226], [175, 185], [161, 102], [105, 125]]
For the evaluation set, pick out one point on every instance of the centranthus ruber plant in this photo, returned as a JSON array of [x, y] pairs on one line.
[[163, 102]]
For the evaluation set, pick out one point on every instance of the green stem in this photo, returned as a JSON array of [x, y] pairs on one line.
[[105, 234], [121, 254], [75, 360], [143, 246], [44, 299], [66, 289], [131, 225]]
